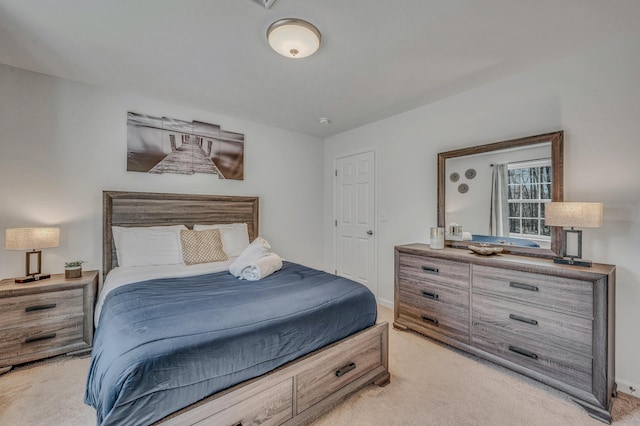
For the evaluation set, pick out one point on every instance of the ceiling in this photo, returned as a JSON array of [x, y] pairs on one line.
[[378, 58]]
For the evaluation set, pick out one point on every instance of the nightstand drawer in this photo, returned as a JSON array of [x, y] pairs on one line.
[[443, 272], [22, 344], [549, 292], [40, 308]]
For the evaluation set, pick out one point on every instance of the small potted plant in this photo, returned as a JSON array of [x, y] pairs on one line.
[[73, 269]]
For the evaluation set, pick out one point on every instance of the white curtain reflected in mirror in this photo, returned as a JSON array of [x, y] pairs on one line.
[[499, 210]]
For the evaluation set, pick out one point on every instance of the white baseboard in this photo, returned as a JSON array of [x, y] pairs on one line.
[[385, 303], [628, 388]]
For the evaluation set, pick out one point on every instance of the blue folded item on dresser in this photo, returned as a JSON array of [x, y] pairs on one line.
[[164, 344], [513, 241]]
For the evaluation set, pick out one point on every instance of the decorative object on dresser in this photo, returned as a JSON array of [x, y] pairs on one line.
[[485, 250], [32, 239], [553, 323], [73, 269], [46, 318], [436, 238], [582, 215]]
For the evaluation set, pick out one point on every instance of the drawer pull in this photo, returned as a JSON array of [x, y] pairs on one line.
[[344, 370], [429, 295], [523, 352], [523, 319], [429, 319], [430, 269], [39, 307], [38, 338], [523, 286]]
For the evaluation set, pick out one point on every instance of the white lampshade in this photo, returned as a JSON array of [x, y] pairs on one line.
[[579, 215], [294, 38], [32, 238]]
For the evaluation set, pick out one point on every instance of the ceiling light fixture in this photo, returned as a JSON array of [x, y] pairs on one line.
[[324, 120], [294, 38]]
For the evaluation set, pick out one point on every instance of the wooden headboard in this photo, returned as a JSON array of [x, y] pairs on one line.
[[156, 209]]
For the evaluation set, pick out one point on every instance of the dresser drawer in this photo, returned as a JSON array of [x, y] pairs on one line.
[[442, 309], [39, 308], [562, 331], [335, 372], [427, 269], [272, 406], [428, 295], [560, 364], [26, 343], [557, 293]]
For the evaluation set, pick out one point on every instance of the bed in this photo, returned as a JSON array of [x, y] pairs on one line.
[[165, 352]]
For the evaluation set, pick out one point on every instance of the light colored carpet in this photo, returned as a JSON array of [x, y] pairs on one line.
[[430, 385]]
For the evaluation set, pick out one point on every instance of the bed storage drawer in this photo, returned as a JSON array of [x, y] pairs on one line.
[[272, 406], [549, 292], [38, 308], [335, 370]]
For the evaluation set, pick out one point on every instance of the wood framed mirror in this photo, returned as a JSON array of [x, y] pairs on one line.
[[497, 192]]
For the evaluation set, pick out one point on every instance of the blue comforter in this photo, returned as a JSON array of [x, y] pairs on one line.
[[164, 344]]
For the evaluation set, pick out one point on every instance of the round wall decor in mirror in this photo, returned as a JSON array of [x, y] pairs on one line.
[[454, 177], [463, 188], [470, 174]]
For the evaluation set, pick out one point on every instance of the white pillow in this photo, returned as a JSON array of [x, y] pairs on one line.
[[146, 246], [235, 237]]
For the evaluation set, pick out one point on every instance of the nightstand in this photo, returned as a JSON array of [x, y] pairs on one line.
[[45, 318]]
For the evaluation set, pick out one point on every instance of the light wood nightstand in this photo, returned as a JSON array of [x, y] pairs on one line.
[[45, 318]]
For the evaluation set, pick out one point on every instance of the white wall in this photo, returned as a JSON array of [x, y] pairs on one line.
[[62, 143], [593, 96]]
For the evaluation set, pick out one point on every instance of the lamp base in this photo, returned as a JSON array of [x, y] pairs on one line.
[[572, 261], [32, 278]]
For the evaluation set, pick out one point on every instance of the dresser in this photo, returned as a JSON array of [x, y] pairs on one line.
[[551, 322], [44, 318]]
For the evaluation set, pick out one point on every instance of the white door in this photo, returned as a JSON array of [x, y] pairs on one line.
[[355, 219]]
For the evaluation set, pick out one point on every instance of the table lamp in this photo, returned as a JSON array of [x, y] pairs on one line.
[[32, 239], [573, 214]]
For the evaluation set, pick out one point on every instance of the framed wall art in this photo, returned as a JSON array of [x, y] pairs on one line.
[[169, 145]]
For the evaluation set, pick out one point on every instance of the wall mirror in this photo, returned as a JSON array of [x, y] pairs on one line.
[[496, 194]]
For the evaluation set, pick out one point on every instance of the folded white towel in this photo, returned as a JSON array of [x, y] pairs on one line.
[[257, 249], [262, 267], [467, 236]]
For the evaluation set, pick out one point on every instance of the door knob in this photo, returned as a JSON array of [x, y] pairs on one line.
[[369, 232]]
